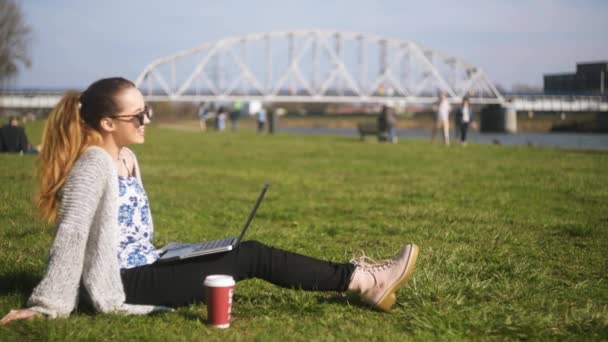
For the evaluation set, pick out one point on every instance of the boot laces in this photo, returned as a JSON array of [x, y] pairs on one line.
[[368, 264]]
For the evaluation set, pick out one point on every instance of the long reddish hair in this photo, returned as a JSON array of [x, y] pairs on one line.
[[72, 126]]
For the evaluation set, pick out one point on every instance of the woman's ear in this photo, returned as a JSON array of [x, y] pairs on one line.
[[107, 124]]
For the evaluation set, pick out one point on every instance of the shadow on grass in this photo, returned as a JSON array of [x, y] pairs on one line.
[[188, 315], [324, 298], [18, 282], [350, 299], [23, 283], [349, 138]]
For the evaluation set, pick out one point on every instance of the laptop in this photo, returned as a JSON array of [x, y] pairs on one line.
[[178, 251]]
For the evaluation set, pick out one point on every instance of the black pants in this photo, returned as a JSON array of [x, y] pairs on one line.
[[181, 283], [464, 126]]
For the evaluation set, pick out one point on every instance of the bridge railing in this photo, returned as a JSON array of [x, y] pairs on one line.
[[29, 100], [564, 103]]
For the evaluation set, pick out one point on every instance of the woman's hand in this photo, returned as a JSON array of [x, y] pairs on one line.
[[15, 315]]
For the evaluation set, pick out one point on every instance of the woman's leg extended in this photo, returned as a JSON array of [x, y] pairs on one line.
[[181, 283], [287, 269]]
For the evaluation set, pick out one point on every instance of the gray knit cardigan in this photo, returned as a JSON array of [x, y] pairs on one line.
[[86, 241]]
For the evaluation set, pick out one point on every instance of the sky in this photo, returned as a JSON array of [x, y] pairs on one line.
[[515, 42]]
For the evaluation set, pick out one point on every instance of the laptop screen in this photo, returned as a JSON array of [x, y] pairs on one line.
[[252, 214]]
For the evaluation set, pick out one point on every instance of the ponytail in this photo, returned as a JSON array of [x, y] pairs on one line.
[[72, 126], [64, 139]]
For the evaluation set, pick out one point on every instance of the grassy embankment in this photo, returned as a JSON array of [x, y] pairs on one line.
[[513, 239]]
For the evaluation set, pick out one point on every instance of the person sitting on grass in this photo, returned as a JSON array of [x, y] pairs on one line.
[[13, 138], [91, 188]]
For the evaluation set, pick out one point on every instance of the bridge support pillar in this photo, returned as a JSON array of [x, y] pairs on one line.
[[498, 119]]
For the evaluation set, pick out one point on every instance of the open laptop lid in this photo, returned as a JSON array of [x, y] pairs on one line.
[[252, 214]]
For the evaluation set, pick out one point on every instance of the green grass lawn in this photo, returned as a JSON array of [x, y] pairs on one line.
[[513, 240]]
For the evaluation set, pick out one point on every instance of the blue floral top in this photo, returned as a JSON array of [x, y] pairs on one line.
[[134, 221]]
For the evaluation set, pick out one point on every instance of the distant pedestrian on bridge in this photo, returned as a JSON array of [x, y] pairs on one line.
[[442, 119]]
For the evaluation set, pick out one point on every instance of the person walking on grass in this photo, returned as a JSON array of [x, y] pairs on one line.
[[203, 116], [260, 118], [465, 117], [387, 125], [221, 119], [391, 123], [235, 114], [91, 188], [442, 119]]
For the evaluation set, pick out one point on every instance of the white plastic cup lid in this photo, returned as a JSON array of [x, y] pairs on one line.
[[219, 280]]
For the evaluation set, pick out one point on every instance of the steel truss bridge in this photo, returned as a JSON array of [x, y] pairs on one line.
[[314, 66], [320, 66]]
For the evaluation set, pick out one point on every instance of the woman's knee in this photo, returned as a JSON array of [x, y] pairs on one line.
[[252, 245], [252, 259]]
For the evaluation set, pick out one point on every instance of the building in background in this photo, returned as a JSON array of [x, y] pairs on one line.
[[589, 79]]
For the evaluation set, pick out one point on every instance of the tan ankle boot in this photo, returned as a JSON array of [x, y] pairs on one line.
[[377, 283]]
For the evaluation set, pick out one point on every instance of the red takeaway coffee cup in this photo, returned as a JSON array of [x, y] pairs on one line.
[[218, 295]]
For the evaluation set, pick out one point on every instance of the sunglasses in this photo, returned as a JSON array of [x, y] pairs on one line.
[[141, 116]]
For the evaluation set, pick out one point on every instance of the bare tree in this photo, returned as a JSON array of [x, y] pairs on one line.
[[14, 41]]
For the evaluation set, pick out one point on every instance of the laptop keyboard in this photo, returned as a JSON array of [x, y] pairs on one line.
[[214, 244]]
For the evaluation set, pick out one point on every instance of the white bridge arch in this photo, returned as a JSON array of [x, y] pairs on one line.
[[314, 66]]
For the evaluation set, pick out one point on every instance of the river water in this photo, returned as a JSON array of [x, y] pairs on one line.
[[559, 140]]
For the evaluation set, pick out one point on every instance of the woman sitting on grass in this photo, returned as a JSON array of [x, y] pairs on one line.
[[90, 187]]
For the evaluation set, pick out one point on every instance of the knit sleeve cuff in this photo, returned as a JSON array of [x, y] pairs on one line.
[[47, 312]]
